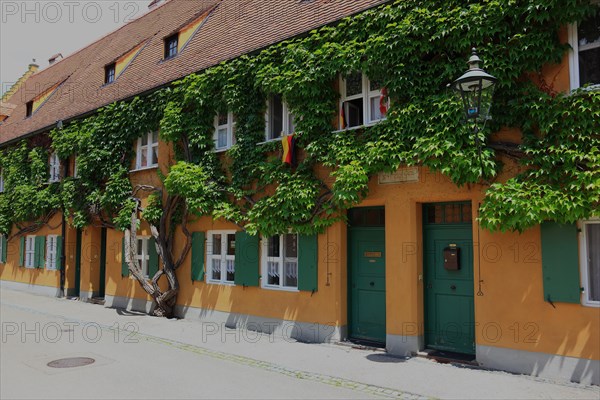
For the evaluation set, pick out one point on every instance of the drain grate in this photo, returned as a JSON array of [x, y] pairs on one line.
[[71, 362]]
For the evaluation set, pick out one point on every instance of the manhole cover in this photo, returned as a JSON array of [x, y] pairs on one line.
[[71, 362]]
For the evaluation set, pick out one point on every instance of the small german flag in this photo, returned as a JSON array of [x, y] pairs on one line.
[[289, 150]]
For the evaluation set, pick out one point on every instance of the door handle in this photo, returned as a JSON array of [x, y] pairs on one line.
[[453, 287], [372, 283]]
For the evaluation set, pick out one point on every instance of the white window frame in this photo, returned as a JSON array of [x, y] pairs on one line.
[[583, 260], [1, 180], [289, 126], [574, 55], [367, 94], [54, 165], [29, 256], [224, 258], [282, 259], [51, 251], [230, 126], [148, 148]]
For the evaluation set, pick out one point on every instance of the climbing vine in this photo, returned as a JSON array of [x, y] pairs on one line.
[[414, 49]]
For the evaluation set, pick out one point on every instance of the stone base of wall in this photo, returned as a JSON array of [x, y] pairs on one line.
[[399, 345], [216, 322], [35, 289], [540, 364]]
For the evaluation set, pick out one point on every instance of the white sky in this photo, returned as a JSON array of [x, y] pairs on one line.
[[38, 29]]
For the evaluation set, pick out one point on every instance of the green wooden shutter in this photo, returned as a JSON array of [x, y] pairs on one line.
[[58, 252], [4, 245], [560, 263], [153, 258], [39, 252], [308, 263], [246, 259], [22, 251], [124, 265], [198, 239]]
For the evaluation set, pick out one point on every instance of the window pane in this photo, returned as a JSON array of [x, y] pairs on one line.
[[230, 270], [140, 249], [216, 244], [145, 140], [593, 247], [291, 128], [374, 85], [291, 246], [290, 278], [155, 137], [588, 31], [354, 84], [375, 104], [231, 245], [275, 117], [216, 269], [144, 157], [273, 272], [222, 119], [589, 66], [154, 155], [353, 111], [222, 138], [273, 246]]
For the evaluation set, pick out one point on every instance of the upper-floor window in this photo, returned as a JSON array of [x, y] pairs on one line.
[[54, 168], [585, 59], [147, 151], [224, 131], [279, 119], [220, 255], [280, 261], [29, 109], [590, 262], [109, 73], [1, 180], [362, 101], [75, 167], [171, 44]]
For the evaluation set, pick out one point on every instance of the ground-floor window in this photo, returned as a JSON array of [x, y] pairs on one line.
[[51, 251], [143, 255], [590, 262], [30, 252], [280, 261], [220, 254]]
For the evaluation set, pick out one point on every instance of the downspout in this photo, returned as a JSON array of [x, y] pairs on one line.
[[63, 255]]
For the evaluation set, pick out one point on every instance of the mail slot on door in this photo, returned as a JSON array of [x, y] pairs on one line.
[[452, 258]]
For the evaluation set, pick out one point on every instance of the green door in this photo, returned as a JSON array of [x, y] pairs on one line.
[[366, 258], [449, 311]]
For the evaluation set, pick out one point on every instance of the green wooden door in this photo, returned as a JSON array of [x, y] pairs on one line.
[[449, 309], [366, 258]]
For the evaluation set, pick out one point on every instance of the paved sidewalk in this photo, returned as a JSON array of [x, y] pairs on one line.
[[355, 373]]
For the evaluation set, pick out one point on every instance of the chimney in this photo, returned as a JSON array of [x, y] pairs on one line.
[[55, 58]]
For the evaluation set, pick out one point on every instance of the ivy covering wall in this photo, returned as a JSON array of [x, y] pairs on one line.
[[414, 49]]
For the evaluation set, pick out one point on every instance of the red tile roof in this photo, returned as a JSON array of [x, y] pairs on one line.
[[235, 27]]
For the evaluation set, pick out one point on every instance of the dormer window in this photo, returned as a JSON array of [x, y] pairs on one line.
[[109, 73], [29, 109], [171, 44]]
